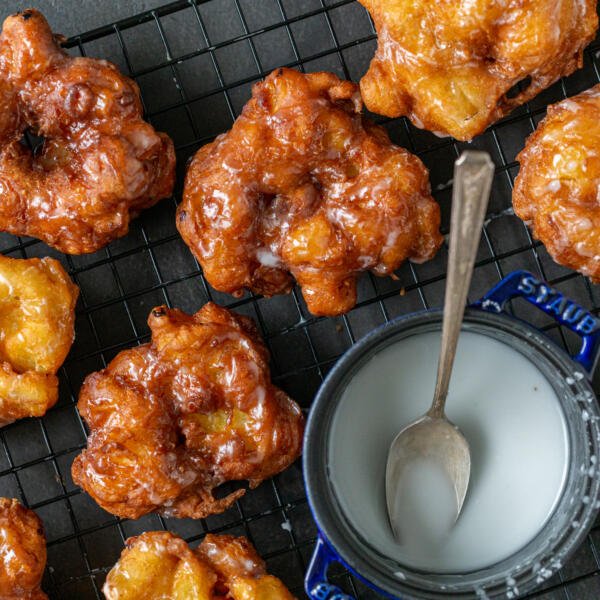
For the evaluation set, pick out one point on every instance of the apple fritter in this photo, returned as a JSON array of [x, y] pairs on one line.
[[158, 565], [37, 319], [22, 552], [100, 164], [452, 66], [556, 191], [304, 186], [174, 419]]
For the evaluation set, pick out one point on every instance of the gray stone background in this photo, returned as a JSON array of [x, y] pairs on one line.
[[76, 16]]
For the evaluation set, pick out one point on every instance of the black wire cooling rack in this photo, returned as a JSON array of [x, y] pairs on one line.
[[195, 62]]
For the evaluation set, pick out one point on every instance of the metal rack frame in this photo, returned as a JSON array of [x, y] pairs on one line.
[[120, 284]]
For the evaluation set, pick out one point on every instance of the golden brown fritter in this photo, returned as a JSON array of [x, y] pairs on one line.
[[158, 565], [303, 184], [100, 164], [172, 420], [37, 318], [22, 552], [449, 65], [557, 191]]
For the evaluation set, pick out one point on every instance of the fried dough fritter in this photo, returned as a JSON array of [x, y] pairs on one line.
[[174, 419], [37, 321], [557, 190], [100, 164], [303, 184], [158, 564], [449, 65], [22, 552]]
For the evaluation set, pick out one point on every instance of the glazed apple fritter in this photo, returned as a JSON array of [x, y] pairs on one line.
[[174, 419], [100, 163], [37, 318], [449, 65], [303, 184], [159, 565], [22, 552], [556, 191]]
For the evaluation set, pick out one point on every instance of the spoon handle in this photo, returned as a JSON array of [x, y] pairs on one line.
[[473, 174]]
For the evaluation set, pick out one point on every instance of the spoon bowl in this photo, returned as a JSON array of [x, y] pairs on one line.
[[436, 440], [433, 437]]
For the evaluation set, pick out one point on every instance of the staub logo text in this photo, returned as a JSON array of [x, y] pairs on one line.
[[325, 591], [553, 301]]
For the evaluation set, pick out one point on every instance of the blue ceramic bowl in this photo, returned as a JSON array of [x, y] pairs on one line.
[[579, 501]]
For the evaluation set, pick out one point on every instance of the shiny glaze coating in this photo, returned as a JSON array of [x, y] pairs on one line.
[[557, 190], [158, 565], [22, 552], [172, 420], [303, 184], [37, 320], [449, 65], [100, 164]]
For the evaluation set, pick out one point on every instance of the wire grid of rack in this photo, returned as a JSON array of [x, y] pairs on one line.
[[195, 61]]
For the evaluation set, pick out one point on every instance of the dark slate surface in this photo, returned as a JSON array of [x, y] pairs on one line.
[[70, 17]]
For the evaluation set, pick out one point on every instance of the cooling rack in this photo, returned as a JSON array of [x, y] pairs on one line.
[[195, 62]]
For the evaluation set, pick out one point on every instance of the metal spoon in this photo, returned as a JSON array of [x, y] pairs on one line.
[[433, 436]]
